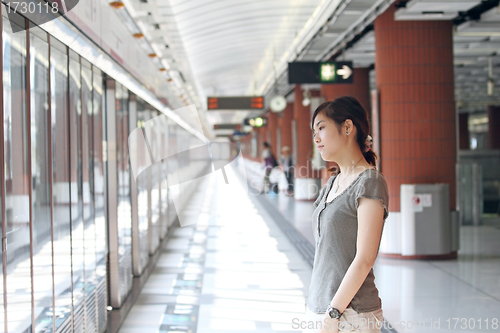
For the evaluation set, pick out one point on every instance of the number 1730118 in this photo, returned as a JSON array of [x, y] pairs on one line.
[[472, 323], [29, 7]]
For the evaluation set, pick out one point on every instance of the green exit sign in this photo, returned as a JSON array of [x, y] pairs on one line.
[[330, 72], [327, 72]]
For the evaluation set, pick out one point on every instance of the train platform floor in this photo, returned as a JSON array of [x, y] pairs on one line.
[[238, 268]]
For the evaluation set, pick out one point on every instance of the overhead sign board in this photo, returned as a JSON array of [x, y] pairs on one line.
[[227, 126], [236, 103], [320, 72]]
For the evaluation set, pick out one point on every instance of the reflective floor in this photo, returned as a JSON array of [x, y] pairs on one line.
[[235, 271], [232, 271], [460, 295]]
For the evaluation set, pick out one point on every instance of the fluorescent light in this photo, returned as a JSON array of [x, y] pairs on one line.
[[478, 33], [433, 14]]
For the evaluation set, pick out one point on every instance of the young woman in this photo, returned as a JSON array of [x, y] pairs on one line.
[[347, 224]]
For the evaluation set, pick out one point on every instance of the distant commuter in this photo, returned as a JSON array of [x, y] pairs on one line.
[[287, 165], [269, 162], [347, 222]]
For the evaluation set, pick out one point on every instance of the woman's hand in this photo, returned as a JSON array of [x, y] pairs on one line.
[[329, 325]]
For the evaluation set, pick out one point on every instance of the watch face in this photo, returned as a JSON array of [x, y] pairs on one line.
[[334, 313]]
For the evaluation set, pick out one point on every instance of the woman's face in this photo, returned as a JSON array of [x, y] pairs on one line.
[[327, 137]]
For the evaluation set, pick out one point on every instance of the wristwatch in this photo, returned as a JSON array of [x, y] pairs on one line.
[[333, 313]]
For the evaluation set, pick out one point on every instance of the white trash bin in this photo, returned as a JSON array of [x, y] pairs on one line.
[[426, 224]]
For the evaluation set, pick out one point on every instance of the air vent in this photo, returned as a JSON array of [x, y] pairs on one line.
[[435, 13]]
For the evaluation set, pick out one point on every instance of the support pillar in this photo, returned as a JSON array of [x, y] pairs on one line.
[[244, 145], [285, 125], [259, 133], [272, 124], [415, 79], [307, 180], [493, 126], [285, 129], [463, 131]]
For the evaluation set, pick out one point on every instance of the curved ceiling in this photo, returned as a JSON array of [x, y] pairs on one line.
[[231, 47], [229, 42]]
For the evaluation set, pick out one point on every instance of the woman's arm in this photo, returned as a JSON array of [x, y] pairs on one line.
[[370, 223]]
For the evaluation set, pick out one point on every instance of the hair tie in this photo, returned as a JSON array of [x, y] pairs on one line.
[[368, 143]]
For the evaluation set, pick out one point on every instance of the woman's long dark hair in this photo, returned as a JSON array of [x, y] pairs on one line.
[[347, 107]]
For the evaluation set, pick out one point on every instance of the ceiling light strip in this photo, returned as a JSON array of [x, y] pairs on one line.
[[78, 42], [366, 19], [312, 26], [128, 14]]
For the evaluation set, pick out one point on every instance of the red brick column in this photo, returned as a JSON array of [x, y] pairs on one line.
[[258, 134], [272, 125], [414, 64], [285, 124], [493, 126], [307, 180], [359, 89], [246, 146], [463, 130]]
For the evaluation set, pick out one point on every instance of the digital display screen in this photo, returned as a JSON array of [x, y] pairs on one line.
[[236, 103]]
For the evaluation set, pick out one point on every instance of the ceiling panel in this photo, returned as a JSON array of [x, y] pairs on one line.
[[434, 10], [222, 47], [444, 6], [227, 41]]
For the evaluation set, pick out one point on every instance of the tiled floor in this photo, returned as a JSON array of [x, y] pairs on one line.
[[298, 213], [438, 291], [234, 271]]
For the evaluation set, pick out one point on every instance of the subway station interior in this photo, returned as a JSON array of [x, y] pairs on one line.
[[134, 194]]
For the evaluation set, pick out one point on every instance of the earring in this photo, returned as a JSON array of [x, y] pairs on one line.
[[347, 133]]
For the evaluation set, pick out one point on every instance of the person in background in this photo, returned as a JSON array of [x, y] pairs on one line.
[[267, 159], [287, 167]]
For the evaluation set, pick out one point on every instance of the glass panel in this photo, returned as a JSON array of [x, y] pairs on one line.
[[2, 308], [172, 165], [124, 203], [40, 185], [98, 195], [17, 173], [153, 130], [163, 147], [76, 186], [60, 183], [88, 199], [142, 191], [2, 218], [164, 192]]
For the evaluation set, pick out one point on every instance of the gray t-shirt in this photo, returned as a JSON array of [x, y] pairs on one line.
[[335, 227]]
